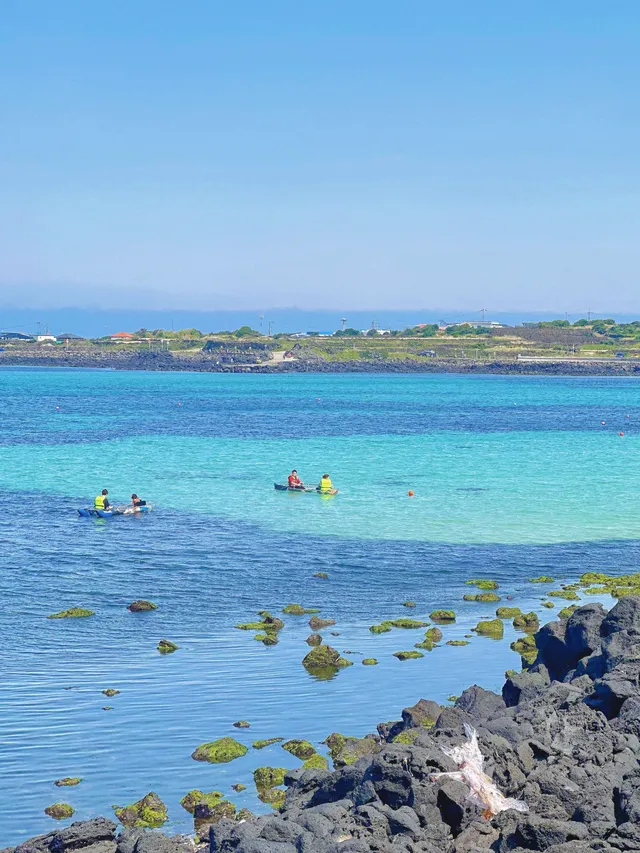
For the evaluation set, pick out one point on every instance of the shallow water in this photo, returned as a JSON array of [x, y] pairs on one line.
[[513, 478]]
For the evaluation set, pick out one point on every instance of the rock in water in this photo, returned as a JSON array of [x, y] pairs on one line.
[[316, 623], [149, 812], [166, 647], [300, 748], [68, 782], [141, 606], [59, 811], [72, 613], [220, 751], [324, 661], [491, 628]]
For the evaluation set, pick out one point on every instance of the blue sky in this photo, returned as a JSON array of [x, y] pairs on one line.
[[339, 154]]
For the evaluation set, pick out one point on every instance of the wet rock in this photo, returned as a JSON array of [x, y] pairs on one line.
[[316, 762], [219, 751], [72, 613], [300, 748], [484, 597], [141, 606], [313, 640], [241, 724], [110, 692], [457, 642], [408, 604], [316, 623], [410, 655], [189, 801], [166, 647], [68, 782], [490, 628], [261, 744], [508, 612], [483, 583], [299, 610], [149, 812], [59, 811], [346, 750], [526, 648], [369, 661], [528, 622], [324, 661], [541, 579], [322, 575]]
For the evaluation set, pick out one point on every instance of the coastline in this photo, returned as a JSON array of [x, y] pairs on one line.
[[563, 737], [203, 363]]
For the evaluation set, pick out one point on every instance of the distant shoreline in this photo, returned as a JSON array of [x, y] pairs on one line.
[[201, 363]]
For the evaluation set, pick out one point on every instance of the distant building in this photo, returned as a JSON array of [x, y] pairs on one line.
[[476, 324], [69, 336], [44, 338], [122, 337], [15, 336]]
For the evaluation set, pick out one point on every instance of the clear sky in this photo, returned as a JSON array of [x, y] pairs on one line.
[[324, 154]]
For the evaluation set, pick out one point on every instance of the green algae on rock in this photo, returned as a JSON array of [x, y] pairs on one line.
[[408, 604], [567, 594], [388, 624], [324, 661], [457, 642], [369, 662], [408, 737], [220, 751], [526, 648], [434, 634], [269, 777], [241, 724], [491, 628], [274, 797], [380, 629], [261, 744], [110, 692], [322, 575], [166, 647], [481, 583], [316, 623], [345, 750], [567, 611], [411, 655], [300, 748], [508, 612], [207, 813], [59, 811], [190, 800], [299, 610], [72, 613], [243, 814], [528, 622], [149, 812], [484, 597], [452, 698], [68, 782], [239, 787], [443, 616], [548, 604], [141, 606], [541, 579], [316, 762]]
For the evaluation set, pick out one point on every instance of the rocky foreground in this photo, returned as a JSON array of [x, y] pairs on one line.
[[564, 736]]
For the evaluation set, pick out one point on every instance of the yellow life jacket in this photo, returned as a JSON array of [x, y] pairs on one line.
[[99, 502], [326, 485]]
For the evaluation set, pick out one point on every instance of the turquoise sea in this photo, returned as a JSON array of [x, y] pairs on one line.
[[513, 478]]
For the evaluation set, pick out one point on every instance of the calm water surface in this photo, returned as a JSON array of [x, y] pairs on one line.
[[513, 478]]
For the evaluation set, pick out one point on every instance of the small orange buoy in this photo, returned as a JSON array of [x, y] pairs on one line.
[[620, 433], [410, 493]]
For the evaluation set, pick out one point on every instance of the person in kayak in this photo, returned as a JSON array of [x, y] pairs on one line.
[[137, 502], [326, 486], [294, 481], [102, 501]]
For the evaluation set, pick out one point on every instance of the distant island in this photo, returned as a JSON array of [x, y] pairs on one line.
[[587, 346]]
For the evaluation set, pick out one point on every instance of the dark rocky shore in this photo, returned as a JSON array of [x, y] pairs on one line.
[[564, 736], [210, 362]]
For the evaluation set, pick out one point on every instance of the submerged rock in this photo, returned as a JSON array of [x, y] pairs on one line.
[[238, 787], [322, 575], [316, 623], [313, 640], [141, 606], [541, 579], [443, 616], [72, 613], [324, 661], [261, 744], [405, 623], [220, 751], [482, 583], [484, 597], [491, 628], [299, 610], [241, 724], [457, 642], [508, 612], [369, 662], [149, 812], [59, 811], [110, 692], [68, 782], [411, 655], [408, 604], [166, 647], [300, 748]]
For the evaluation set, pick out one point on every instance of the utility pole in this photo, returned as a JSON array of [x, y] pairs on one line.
[[270, 324], [589, 315], [482, 311], [343, 320]]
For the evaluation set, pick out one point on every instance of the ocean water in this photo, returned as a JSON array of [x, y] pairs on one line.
[[513, 478]]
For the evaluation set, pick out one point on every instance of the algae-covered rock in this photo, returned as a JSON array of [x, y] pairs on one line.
[[528, 622], [72, 613], [313, 640], [408, 604], [220, 751], [403, 622], [275, 797], [526, 648], [324, 661], [484, 597], [205, 813], [239, 787], [316, 762], [261, 744], [452, 698], [541, 579], [491, 628], [443, 616], [508, 612], [270, 640], [347, 750], [141, 606], [316, 623], [434, 634], [408, 737], [242, 815], [548, 604], [482, 583], [300, 748], [322, 575], [457, 642], [268, 626], [241, 724], [380, 629], [408, 655], [369, 662], [149, 812], [299, 610], [567, 611], [190, 800], [110, 692], [269, 777], [59, 811], [567, 594], [68, 782], [166, 647]]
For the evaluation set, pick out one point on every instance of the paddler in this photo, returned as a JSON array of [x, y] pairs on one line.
[[294, 481], [326, 486], [102, 501], [137, 502]]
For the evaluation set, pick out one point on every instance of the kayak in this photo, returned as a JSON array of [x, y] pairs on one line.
[[90, 512], [283, 487]]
